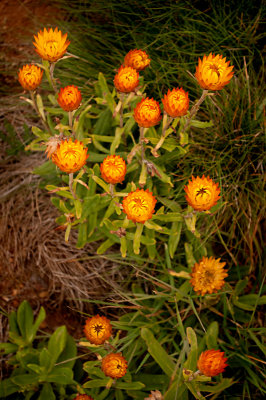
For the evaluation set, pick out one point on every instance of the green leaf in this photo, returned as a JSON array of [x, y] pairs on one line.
[[105, 245], [192, 359], [157, 352], [68, 355], [13, 323], [174, 237], [212, 335], [201, 124], [176, 392], [7, 348], [117, 140], [40, 105], [137, 236], [8, 387], [57, 343], [47, 393], [169, 217], [25, 379], [78, 208], [101, 183], [225, 383], [44, 359], [40, 318], [189, 255], [96, 383], [62, 376], [82, 235], [25, 320], [35, 368], [103, 124], [129, 385], [47, 168]]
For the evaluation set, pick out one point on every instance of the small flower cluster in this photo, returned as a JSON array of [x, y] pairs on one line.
[[98, 330]]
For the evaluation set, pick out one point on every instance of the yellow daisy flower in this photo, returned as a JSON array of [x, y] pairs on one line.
[[98, 329], [139, 205], [202, 193], [70, 156], [114, 365], [51, 45], [208, 275], [213, 72]]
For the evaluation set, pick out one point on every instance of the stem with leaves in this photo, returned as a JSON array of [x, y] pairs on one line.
[[167, 120]]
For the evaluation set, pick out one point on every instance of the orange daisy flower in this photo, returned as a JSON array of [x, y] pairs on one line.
[[202, 193], [70, 156], [208, 275], [176, 102], [114, 365], [113, 169], [139, 205], [98, 329], [51, 45], [83, 397], [147, 113], [126, 79], [137, 59], [69, 98], [213, 72], [212, 362], [30, 76]]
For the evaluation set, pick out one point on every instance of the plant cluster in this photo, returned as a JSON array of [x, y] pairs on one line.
[[129, 200]]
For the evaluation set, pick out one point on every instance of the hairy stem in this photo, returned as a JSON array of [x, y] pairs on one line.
[[71, 185]]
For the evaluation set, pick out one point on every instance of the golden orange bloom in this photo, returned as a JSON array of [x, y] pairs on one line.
[[69, 98], [83, 397], [98, 329], [70, 156], [137, 59], [176, 102], [147, 113], [202, 193], [114, 365], [208, 275], [30, 76], [213, 72], [139, 205], [51, 45], [113, 169], [212, 362], [126, 79]]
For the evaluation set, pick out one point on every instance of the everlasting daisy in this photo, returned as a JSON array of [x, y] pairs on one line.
[[213, 72], [114, 365], [98, 329], [212, 362], [208, 275]]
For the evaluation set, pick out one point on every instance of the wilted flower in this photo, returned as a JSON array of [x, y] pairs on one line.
[[51, 45], [176, 102], [202, 193], [51, 145], [213, 72], [98, 329], [137, 59], [113, 169], [147, 113], [82, 397], [208, 275], [114, 365], [30, 76], [212, 362], [139, 205], [70, 156], [69, 98], [126, 79]]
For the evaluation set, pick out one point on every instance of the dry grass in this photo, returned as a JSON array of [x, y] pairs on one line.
[[36, 262]]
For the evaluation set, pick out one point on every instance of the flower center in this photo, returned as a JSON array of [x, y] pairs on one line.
[[98, 329], [207, 277], [51, 47]]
